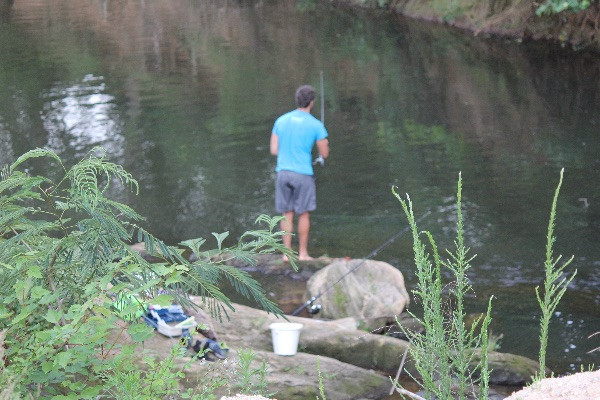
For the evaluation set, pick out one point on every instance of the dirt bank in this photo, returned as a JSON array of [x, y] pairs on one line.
[[515, 19]]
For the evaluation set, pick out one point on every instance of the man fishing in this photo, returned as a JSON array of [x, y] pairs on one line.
[[293, 137]]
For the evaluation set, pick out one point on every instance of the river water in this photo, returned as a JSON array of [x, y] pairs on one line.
[[184, 95]]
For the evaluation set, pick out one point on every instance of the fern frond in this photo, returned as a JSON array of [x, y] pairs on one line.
[[124, 210], [11, 215], [85, 178], [208, 290], [244, 284], [155, 246], [26, 237], [194, 245], [35, 153]]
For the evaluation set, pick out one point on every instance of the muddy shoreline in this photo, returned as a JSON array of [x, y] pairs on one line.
[[511, 19]]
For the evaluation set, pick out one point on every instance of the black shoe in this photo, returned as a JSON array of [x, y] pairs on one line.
[[215, 349]]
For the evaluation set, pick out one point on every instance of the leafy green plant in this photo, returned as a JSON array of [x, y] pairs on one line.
[[557, 6], [251, 380], [126, 380], [64, 260], [321, 384], [150, 378], [588, 368], [494, 341], [555, 284], [444, 353]]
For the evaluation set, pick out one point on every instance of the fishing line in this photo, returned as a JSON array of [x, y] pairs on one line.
[[317, 216], [317, 307], [322, 100]]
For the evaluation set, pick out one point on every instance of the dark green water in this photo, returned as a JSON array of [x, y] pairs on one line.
[[184, 94]]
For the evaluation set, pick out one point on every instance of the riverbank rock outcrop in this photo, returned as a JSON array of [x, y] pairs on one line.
[[338, 339], [509, 369], [353, 363], [347, 357], [584, 385], [362, 289]]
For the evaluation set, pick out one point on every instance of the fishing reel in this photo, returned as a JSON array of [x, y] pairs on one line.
[[319, 160], [309, 306], [314, 309]]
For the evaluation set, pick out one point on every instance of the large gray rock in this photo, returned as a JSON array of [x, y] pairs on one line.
[[294, 377], [374, 289], [509, 369], [583, 385], [347, 358], [339, 339], [358, 348]]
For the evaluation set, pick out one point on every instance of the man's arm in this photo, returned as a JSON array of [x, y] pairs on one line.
[[274, 144], [322, 147]]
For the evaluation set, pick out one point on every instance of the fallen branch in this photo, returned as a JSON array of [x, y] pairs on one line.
[[399, 371], [409, 394]]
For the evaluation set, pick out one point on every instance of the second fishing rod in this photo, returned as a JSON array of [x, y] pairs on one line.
[[313, 308]]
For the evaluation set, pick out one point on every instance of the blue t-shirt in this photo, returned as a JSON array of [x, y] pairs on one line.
[[297, 132]]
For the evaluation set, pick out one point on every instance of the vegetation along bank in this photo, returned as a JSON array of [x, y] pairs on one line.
[[572, 23]]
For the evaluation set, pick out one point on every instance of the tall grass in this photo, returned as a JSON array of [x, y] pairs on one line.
[[444, 354], [555, 283]]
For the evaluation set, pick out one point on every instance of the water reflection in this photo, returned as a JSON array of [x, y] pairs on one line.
[[82, 116], [184, 94], [6, 152]]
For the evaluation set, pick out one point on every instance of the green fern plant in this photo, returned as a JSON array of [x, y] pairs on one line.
[[64, 258]]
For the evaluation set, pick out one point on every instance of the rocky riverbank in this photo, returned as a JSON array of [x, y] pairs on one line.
[[513, 19], [352, 361], [354, 364]]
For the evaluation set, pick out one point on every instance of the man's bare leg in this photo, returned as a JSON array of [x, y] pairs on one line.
[[303, 229], [287, 225]]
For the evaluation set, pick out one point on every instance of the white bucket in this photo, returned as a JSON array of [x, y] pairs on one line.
[[285, 337]]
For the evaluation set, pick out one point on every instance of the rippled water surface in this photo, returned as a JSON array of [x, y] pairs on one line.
[[184, 94]]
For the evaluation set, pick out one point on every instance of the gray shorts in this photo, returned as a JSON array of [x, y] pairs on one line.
[[295, 192]]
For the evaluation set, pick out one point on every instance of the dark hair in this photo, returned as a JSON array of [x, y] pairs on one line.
[[304, 95]]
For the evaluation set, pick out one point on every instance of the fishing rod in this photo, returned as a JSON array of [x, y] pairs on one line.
[[322, 100], [320, 160], [315, 308]]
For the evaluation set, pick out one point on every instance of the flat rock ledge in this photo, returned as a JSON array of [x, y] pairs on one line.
[[354, 364], [338, 339], [583, 385], [348, 366], [273, 264]]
